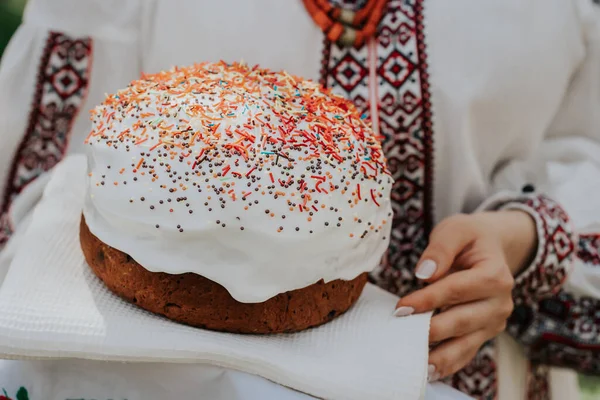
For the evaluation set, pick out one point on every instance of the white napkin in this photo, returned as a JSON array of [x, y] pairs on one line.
[[52, 305]]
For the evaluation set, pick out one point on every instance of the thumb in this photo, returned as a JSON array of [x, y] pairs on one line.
[[446, 242]]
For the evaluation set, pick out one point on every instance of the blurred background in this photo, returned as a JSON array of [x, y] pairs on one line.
[[11, 12], [10, 17]]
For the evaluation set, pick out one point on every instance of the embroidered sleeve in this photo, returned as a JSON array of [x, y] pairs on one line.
[[556, 248], [554, 326], [562, 331]]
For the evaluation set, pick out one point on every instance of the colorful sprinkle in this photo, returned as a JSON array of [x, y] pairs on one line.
[[243, 133]]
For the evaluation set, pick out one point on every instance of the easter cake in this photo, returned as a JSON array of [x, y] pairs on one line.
[[234, 198]]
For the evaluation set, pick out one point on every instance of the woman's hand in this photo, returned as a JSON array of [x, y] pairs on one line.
[[470, 263]]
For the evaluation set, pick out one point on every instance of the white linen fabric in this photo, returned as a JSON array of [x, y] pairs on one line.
[[101, 380]]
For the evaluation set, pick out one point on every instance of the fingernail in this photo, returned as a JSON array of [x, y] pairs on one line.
[[431, 374], [430, 370], [426, 269], [403, 311]]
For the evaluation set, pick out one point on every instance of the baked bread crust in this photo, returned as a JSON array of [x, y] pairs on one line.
[[197, 301]]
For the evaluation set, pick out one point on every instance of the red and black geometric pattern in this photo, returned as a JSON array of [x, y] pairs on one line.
[[556, 244], [563, 330], [478, 378], [392, 72], [61, 87], [589, 249], [538, 387]]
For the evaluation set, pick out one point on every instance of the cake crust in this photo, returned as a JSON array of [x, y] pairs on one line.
[[197, 301]]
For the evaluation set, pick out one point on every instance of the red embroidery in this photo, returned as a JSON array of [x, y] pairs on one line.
[[404, 115], [61, 88], [538, 387], [549, 270], [562, 330], [478, 378], [589, 249]]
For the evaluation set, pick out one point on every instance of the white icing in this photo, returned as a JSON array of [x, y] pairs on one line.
[[260, 261]]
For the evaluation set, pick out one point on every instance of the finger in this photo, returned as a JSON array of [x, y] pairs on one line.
[[446, 242], [463, 319], [453, 355], [459, 287]]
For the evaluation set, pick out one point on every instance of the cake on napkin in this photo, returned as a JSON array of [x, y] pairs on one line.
[[234, 198]]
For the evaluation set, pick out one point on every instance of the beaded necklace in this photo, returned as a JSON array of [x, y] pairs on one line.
[[343, 26]]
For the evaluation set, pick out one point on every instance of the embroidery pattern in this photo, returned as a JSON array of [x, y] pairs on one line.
[[589, 249], [538, 387], [562, 330], [478, 378], [549, 269], [405, 123], [61, 88]]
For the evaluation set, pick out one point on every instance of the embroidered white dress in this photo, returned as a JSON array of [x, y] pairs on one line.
[[483, 104]]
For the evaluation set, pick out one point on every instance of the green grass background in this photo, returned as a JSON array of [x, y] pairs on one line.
[[10, 17], [590, 387]]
